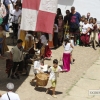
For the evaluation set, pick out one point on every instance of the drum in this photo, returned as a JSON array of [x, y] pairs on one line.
[[42, 79]]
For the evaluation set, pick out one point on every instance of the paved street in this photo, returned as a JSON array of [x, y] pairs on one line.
[[66, 85]]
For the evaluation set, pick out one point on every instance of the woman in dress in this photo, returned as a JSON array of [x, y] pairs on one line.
[[55, 37], [67, 55], [45, 51], [60, 29], [85, 33], [81, 25], [3, 45]]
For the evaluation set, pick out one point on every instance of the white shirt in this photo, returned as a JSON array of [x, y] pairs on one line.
[[84, 28], [12, 96], [43, 39], [36, 66], [17, 54], [54, 72], [91, 26], [67, 47], [16, 15]]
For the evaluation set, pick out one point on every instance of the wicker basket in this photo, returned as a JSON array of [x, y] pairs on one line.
[[42, 79]]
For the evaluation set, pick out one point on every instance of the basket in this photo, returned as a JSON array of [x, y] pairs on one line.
[[42, 79]]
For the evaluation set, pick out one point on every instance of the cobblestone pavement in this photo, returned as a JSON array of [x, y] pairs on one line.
[[84, 59]]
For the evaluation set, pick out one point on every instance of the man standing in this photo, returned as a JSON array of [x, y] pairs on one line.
[[74, 20], [10, 95], [17, 57]]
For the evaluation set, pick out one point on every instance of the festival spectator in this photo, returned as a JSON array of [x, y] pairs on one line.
[[66, 24], [10, 95], [95, 33], [16, 14], [81, 26], [60, 29], [55, 37], [66, 17], [57, 15], [74, 19], [3, 45], [45, 51], [85, 33], [17, 57], [91, 29]]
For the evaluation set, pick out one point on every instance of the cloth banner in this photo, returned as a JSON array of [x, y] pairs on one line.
[[38, 15]]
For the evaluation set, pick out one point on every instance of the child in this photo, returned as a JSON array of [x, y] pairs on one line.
[[54, 73], [72, 42], [37, 68]]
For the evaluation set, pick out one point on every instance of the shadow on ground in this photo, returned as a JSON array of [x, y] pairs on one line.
[[4, 80]]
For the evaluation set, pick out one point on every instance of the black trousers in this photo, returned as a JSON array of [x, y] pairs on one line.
[[55, 39], [15, 29], [18, 65]]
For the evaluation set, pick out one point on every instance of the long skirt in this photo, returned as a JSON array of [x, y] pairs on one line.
[[85, 39], [66, 62], [47, 51]]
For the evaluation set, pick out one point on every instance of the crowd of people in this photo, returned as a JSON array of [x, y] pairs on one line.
[[69, 30], [83, 28]]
